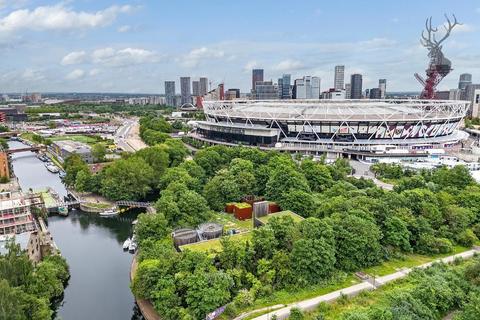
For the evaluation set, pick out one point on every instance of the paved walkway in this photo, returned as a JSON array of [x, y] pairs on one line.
[[362, 170], [312, 304]]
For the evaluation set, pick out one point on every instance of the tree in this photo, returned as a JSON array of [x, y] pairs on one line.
[[313, 260], [458, 177], [470, 310], [396, 234], [221, 189], [176, 151], [151, 226], [296, 314], [98, 152], [357, 242], [157, 157], [318, 176], [73, 164], [209, 160], [177, 174], [83, 181], [283, 180], [299, 201], [207, 291], [127, 179], [181, 206]]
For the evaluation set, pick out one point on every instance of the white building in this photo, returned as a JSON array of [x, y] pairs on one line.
[[455, 94], [476, 103], [307, 88]]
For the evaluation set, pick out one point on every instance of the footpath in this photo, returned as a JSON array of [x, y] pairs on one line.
[[367, 284]]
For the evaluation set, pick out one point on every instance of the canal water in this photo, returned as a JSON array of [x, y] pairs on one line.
[[99, 268]]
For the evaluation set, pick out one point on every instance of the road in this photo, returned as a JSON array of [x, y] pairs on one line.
[[312, 304], [127, 136], [362, 170]]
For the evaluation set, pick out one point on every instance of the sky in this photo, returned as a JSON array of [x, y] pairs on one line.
[[134, 46]]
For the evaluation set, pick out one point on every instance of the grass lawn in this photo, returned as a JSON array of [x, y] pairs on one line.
[[77, 138], [98, 205], [410, 261], [342, 280], [214, 245], [27, 136], [230, 222], [295, 217]]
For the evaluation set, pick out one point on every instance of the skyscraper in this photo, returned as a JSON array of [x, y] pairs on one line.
[[170, 93], [356, 86], [266, 90], [203, 86], [339, 77], [257, 75], [185, 91], [382, 85], [348, 91], [196, 88], [284, 87], [465, 79]]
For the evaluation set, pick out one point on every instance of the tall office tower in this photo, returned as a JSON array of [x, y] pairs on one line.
[[375, 93], [257, 76], [170, 93], [339, 77], [382, 85], [348, 91], [203, 86], [356, 86], [465, 79], [185, 90], [285, 87], [195, 88], [315, 88]]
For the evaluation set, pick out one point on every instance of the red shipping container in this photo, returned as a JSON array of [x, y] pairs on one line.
[[273, 207], [229, 207], [243, 211]]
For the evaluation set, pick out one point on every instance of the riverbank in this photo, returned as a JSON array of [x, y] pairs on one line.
[[92, 245], [145, 306]]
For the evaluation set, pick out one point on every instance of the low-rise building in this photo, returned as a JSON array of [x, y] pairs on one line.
[[65, 148], [15, 214]]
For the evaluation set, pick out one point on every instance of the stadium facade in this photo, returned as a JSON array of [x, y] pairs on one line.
[[341, 126]]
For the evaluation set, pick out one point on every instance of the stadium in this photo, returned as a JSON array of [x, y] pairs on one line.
[[338, 126]]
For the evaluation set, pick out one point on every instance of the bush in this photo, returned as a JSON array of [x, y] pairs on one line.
[[467, 238], [296, 314]]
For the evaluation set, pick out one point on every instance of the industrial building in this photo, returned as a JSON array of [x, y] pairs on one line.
[[65, 148]]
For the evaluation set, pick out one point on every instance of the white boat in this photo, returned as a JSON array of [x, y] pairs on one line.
[[52, 169], [109, 213], [126, 244], [132, 247]]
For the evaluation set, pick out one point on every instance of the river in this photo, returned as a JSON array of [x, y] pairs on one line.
[[99, 285]]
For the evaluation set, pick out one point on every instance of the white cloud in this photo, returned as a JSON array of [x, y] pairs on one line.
[[288, 65], [125, 28], [75, 57], [196, 56], [75, 74], [123, 57], [32, 75], [94, 72], [59, 17]]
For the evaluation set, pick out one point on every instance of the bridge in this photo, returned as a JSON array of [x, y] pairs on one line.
[[133, 204], [9, 134], [32, 148]]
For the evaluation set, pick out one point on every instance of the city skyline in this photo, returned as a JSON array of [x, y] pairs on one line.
[[107, 46]]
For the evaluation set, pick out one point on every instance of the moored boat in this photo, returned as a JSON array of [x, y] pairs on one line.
[[63, 211], [52, 168], [126, 244], [109, 213]]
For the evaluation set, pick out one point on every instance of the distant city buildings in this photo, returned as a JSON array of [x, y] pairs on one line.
[[185, 92], [232, 94], [465, 79], [307, 88], [257, 76], [382, 86], [356, 86], [196, 88], [348, 91], [170, 93], [265, 90], [339, 77], [285, 87]]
